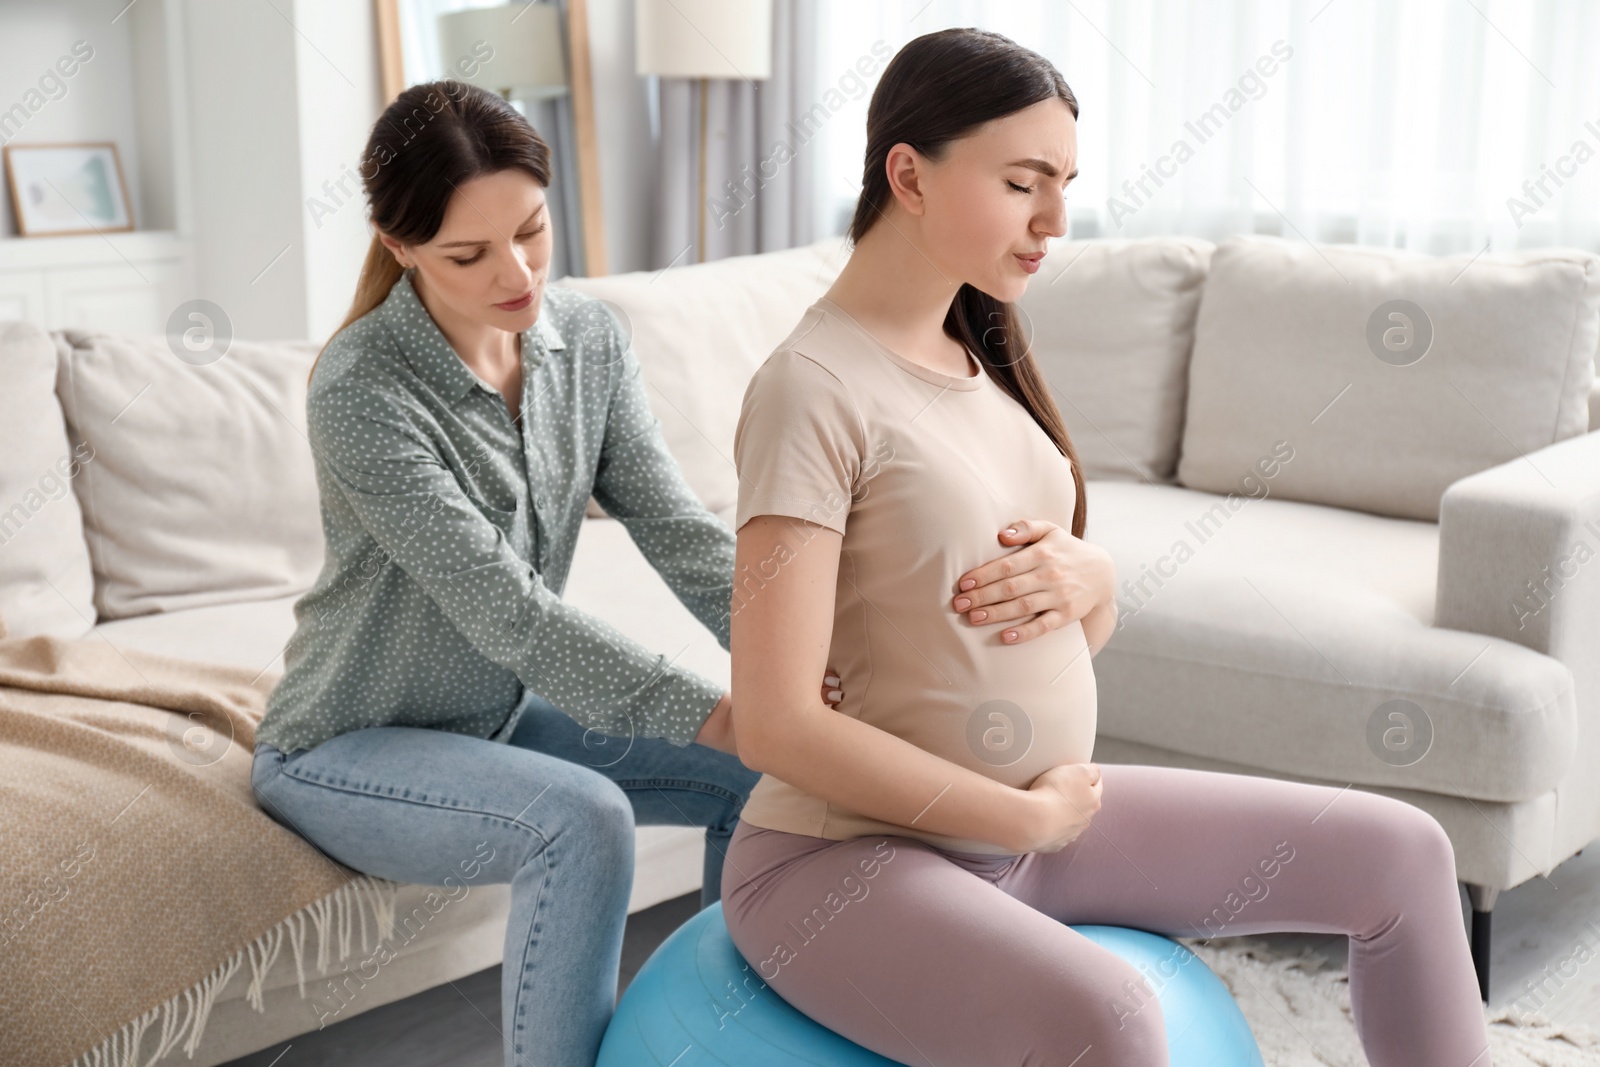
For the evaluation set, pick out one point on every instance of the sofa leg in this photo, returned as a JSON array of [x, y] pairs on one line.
[[1482, 899]]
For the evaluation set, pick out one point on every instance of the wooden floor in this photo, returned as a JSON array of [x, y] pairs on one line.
[[457, 1024]]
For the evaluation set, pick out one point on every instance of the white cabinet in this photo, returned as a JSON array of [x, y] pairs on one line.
[[121, 283], [22, 296]]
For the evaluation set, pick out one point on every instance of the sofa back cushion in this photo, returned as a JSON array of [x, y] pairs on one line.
[[1112, 324], [700, 331], [46, 582], [202, 490], [1372, 378]]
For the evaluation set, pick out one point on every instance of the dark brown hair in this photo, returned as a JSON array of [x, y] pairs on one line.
[[937, 89], [434, 137]]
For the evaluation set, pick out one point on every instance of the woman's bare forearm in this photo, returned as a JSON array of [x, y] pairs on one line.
[[870, 771]]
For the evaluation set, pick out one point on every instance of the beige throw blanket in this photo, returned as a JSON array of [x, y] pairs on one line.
[[138, 874]]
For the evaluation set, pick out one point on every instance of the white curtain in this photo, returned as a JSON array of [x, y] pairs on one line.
[[1437, 125]]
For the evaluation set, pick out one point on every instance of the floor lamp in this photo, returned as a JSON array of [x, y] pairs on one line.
[[703, 39]]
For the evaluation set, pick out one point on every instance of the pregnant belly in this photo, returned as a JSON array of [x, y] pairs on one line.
[[1008, 712]]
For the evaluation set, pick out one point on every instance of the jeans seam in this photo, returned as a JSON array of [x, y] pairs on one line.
[[692, 785], [456, 806], [522, 964]]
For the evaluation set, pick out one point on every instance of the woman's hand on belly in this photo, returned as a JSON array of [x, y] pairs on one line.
[[1067, 797], [1056, 578]]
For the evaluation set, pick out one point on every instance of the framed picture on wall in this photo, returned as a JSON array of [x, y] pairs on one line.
[[59, 189]]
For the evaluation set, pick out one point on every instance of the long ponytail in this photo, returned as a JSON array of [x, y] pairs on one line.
[[378, 275], [993, 330]]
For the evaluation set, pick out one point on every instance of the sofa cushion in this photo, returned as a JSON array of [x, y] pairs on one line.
[[202, 491], [1112, 324], [46, 582], [249, 633], [700, 331], [1390, 373], [1275, 633]]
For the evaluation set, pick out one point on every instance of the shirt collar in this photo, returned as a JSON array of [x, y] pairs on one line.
[[547, 330], [429, 353]]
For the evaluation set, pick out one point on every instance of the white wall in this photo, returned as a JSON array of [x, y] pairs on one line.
[[280, 115], [94, 104], [336, 62], [245, 128]]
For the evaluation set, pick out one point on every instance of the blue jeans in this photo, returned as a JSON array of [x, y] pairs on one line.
[[545, 805]]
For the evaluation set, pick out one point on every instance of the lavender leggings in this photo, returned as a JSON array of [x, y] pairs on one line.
[[928, 956]]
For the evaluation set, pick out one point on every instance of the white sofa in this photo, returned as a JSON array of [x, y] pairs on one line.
[[1272, 607], [1351, 494]]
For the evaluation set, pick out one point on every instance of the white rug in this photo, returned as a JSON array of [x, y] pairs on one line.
[[1298, 1006]]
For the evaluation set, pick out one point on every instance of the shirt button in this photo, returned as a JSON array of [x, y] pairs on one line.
[[538, 501]]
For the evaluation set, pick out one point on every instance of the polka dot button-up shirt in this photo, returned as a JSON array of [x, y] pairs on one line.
[[450, 530]]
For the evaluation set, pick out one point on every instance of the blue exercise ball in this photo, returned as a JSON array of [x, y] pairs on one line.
[[697, 1002]]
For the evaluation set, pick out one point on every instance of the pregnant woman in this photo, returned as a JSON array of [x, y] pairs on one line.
[[905, 869], [444, 718]]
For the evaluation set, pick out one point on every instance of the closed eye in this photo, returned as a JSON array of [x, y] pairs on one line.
[[479, 254], [1019, 188]]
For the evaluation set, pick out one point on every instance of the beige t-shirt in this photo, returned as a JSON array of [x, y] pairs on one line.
[[919, 471]]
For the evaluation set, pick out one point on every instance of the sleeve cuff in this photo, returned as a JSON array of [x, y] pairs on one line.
[[683, 705]]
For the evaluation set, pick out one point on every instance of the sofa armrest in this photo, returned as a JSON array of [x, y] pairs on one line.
[[1517, 554]]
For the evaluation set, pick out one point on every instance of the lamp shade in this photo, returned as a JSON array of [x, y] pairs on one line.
[[527, 60], [704, 38]]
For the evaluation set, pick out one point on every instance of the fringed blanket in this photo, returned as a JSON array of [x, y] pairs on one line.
[[138, 875]]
